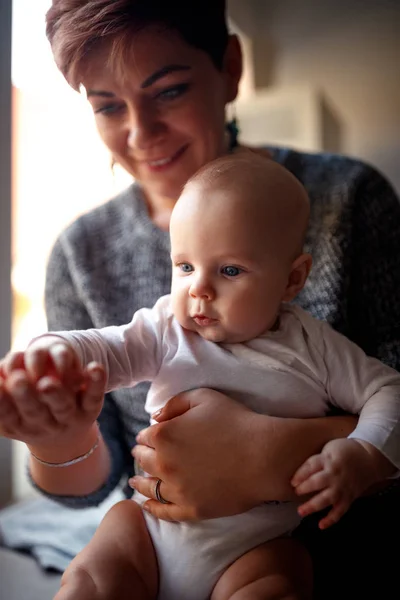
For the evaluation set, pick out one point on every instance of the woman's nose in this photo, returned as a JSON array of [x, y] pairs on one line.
[[145, 130]]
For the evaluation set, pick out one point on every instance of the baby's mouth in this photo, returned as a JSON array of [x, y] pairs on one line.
[[204, 321]]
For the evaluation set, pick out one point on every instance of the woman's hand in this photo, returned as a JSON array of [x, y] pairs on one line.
[[204, 453], [217, 458]]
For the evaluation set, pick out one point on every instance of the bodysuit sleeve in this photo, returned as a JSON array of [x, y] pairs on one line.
[[130, 353], [363, 385]]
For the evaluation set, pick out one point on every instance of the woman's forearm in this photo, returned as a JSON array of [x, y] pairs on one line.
[[289, 442], [80, 479]]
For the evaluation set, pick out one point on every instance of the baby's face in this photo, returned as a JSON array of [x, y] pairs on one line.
[[228, 279]]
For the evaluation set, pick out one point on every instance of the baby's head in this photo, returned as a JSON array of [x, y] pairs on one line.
[[237, 234]]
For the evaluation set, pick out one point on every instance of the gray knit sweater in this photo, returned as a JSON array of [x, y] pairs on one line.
[[113, 261]]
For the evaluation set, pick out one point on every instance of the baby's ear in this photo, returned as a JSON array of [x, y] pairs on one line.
[[297, 276]]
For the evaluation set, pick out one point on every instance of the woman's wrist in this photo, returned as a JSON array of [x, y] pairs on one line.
[[81, 477], [282, 446], [61, 451]]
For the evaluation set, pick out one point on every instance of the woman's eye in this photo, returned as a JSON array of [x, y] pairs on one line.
[[108, 110], [231, 271], [173, 92], [186, 267]]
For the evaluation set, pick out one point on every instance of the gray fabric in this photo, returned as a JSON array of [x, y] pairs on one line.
[[37, 526], [22, 578], [113, 261]]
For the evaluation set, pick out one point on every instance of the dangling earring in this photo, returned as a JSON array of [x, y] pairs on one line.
[[233, 130], [113, 162]]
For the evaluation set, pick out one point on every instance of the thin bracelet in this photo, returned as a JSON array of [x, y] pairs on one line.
[[73, 461]]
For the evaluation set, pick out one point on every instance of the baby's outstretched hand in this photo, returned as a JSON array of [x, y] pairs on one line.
[[342, 472], [45, 356], [46, 397]]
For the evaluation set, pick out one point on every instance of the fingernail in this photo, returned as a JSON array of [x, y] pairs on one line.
[[48, 389], [132, 482], [156, 414], [139, 437], [95, 375]]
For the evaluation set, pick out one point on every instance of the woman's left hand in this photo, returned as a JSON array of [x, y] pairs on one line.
[[204, 453]]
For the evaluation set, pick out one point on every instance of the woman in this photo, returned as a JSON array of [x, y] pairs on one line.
[[159, 76]]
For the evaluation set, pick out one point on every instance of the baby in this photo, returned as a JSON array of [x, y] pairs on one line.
[[237, 234]]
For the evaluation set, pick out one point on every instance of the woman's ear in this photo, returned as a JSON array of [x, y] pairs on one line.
[[297, 276], [232, 67]]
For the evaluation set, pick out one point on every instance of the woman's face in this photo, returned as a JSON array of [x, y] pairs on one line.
[[166, 119]]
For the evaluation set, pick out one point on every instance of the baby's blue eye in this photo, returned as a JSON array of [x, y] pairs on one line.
[[186, 267], [231, 271]]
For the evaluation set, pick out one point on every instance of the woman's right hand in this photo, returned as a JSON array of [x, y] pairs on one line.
[[46, 399], [217, 458]]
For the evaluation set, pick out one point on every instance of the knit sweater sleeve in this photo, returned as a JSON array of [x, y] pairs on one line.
[[374, 291], [65, 311]]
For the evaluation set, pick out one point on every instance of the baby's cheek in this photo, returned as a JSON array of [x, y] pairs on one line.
[[179, 308]]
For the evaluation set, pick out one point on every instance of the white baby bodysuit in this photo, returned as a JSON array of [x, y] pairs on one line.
[[300, 370]]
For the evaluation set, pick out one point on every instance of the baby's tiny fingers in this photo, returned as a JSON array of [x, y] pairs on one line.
[[60, 402], [309, 467], [334, 515], [314, 483], [37, 362], [63, 357], [93, 394], [316, 503]]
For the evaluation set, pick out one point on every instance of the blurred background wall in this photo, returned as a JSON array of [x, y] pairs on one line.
[[349, 51]]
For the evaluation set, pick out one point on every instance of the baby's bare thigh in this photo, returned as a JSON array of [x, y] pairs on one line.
[[119, 561], [280, 570]]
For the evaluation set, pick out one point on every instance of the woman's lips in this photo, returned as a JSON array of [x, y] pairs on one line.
[[164, 163]]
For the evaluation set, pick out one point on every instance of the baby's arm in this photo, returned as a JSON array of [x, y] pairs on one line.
[[346, 468], [129, 353]]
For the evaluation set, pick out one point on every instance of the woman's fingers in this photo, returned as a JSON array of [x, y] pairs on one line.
[[9, 417], [146, 459], [147, 487], [168, 512], [26, 401], [175, 407], [11, 362]]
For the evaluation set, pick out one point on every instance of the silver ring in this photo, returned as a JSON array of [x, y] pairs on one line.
[[158, 493]]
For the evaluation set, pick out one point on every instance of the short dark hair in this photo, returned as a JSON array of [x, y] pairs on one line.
[[75, 27]]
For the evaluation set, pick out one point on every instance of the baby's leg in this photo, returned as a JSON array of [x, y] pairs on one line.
[[119, 561], [277, 570]]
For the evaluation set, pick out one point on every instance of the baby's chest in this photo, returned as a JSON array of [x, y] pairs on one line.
[[281, 386]]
